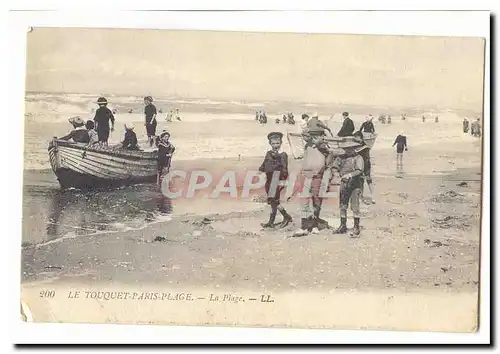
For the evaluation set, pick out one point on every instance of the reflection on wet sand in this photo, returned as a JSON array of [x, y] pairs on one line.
[[50, 212]]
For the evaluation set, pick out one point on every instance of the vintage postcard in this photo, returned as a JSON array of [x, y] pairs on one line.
[[178, 177]]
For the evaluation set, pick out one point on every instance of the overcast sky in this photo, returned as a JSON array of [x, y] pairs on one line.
[[372, 70]]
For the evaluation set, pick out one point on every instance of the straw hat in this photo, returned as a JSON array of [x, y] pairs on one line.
[[77, 120], [129, 126], [315, 115]]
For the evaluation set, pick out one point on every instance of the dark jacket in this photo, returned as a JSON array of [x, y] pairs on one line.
[[347, 128], [102, 117], [165, 152], [130, 141], [79, 135], [149, 113], [275, 162], [367, 127], [401, 143]]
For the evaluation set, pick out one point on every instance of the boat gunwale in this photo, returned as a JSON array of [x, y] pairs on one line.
[[132, 155]]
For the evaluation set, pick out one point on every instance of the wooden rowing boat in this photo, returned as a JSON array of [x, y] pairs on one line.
[[297, 143], [77, 165]]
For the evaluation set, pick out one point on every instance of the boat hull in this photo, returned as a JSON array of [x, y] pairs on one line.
[[76, 165]]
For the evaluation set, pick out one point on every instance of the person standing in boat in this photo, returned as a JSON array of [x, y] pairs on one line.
[[150, 115], [79, 134], [102, 118], [130, 140], [347, 126], [367, 126], [93, 137], [165, 152]]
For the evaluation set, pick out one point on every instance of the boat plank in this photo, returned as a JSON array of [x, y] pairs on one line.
[[89, 170], [104, 165]]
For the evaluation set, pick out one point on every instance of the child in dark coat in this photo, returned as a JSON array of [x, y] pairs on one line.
[[275, 161]]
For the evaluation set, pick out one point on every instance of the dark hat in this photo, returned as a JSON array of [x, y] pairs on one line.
[[304, 116], [149, 98], [102, 100], [274, 135], [345, 114]]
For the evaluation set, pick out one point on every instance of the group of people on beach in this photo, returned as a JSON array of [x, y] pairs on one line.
[[475, 127], [95, 133], [352, 166]]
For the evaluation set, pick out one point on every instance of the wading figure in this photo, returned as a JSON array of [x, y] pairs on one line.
[[350, 167], [401, 146], [275, 161], [165, 153], [465, 124]]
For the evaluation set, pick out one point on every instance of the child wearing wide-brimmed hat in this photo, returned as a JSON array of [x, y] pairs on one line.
[[79, 134], [102, 117]]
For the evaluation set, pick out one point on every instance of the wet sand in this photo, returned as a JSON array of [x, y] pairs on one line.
[[423, 233]]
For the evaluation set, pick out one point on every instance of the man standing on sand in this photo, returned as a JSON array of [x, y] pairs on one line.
[[402, 146], [350, 167], [347, 126]]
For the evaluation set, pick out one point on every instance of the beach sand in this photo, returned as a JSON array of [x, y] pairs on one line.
[[421, 237]]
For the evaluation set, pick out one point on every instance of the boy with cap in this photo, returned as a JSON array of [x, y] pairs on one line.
[[347, 126], [350, 167], [102, 118], [275, 161]]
